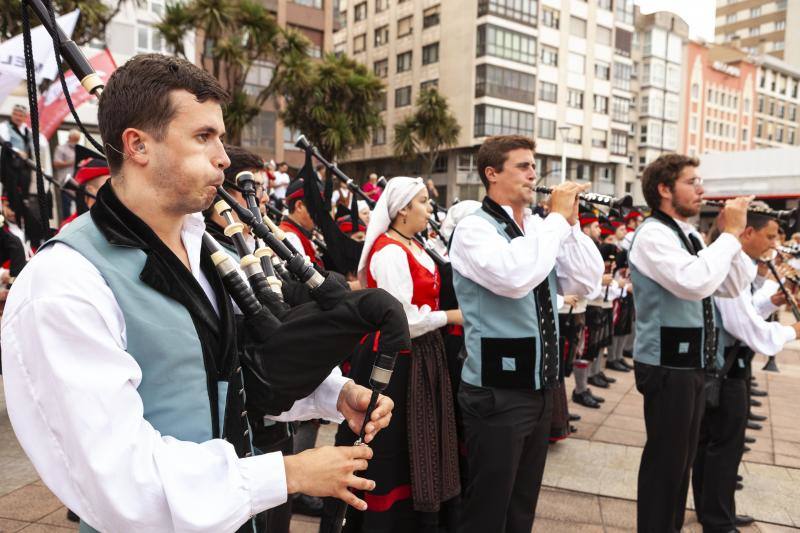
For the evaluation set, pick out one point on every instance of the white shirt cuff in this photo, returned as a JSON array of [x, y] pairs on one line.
[[327, 396], [789, 334], [265, 477]]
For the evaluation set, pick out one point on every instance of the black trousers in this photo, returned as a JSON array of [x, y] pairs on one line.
[[674, 402], [506, 435], [719, 451]]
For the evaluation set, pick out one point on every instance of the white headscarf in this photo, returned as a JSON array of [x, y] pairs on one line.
[[455, 214], [398, 194]]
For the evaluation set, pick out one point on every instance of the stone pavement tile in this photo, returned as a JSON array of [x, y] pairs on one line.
[[774, 528], [759, 457], [784, 447], [768, 473], [619, 436], [618, 513], [625, 422], [593, 416], [626, 409], [10, 526], [762, 444], [16, 473], [304, 524], [58, 518], [585, 430], [566, 506], [619, 484], [45, 528], [783, 421], [787, 460], [30, 503], [545, 525]]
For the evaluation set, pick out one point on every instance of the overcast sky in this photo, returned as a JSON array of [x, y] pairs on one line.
[[699, 14]]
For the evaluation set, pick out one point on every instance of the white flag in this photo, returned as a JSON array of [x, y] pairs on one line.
[[12, 54]]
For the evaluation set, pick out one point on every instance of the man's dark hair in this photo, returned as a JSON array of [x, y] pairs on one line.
[[758, 221], [494, 152], [666, 170], [137, 95], [241, 159]]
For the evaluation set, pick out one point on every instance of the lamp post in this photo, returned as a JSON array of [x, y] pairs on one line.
[[563, 131]]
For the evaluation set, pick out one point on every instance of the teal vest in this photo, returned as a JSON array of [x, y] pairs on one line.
[[501, 335], [160, 335], [669, 330]]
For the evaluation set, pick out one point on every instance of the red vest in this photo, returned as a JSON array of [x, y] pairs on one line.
[[308, 246], [427, 284]]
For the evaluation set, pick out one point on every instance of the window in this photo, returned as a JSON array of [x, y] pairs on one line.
[[619, 142], [379, 136], [148, 39], [577, 27], [493, 120], [695, 91], [792, 113], [780, 5], [547, 128], [622, 76], [550, 17], [772, 107], [289, 135], [548, 56], [404, 62], [780, 25], [360, 11], [779, 134], [381, 5], [260, 132], [671, 106], [402, 96], [778, 45], [744, 134], [602, 70], [575, 98], [760, 104], [599, 138], [579, 171], [780, 111], [405, 26], [309, 3], [657, 73], [620, 109], [670, 136], [693, 124], [548, 92], [623, 40], [382, 101], [519, 10], [430, 54], [381, 68], [381, 35], [604, 4], [603, 36], [673, 77], [430, 17], [759, 129], [575, 134], [360, 43], [429, 84], [576, 63], [643, 133], [506, 44], [730, 18], [753, 31], [491, 80], [258, 78], [601, 104], [624, 11], [755, 12], [790, 137]]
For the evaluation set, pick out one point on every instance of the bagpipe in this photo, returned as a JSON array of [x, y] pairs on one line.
[[280, 365]]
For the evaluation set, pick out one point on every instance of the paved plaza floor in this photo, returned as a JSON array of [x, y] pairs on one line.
[[589, 481]]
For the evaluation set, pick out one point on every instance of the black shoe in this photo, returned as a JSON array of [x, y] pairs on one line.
[[739, 478], [307, 505], [606, 378], [755, 403], [739, 486], [627, 353], [574, 418], [619, 366], [746, 449], [757, 392], [573, 429], [749, 440], [597, 398], [743, 520], [598, 381], [756, 418], [72, 517], [753, 425], [625, 364], [585, 399]]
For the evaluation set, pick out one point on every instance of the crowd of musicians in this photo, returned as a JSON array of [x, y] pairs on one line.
[[150, 396]]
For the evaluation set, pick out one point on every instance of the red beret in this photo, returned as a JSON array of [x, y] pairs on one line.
[[91, 168], [587, 219]]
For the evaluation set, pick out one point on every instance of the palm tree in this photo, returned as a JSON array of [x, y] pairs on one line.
[[429, 130], [333, 101]]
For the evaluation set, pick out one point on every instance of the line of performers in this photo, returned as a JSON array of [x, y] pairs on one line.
[[148, 401]]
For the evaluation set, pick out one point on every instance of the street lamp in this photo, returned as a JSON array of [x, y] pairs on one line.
[[563, 132]]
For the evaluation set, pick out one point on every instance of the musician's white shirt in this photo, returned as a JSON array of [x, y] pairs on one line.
[[513, 269], [71, 396], [721, 269], [741, 319]]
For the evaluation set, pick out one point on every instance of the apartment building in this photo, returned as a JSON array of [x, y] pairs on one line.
[[720, 115], [658, 55], [558, 70], [761, 26]]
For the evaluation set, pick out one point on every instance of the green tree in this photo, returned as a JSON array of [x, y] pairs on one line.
[[95, 15], [429, 130], [237, 34], [334, 102]]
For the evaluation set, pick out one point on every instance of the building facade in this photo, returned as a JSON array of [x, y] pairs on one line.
[[760, 26], [721, 88], [777, 102], [556, 70]]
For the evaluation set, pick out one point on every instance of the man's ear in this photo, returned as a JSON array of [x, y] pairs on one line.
[[664, 191], [134, 146]]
